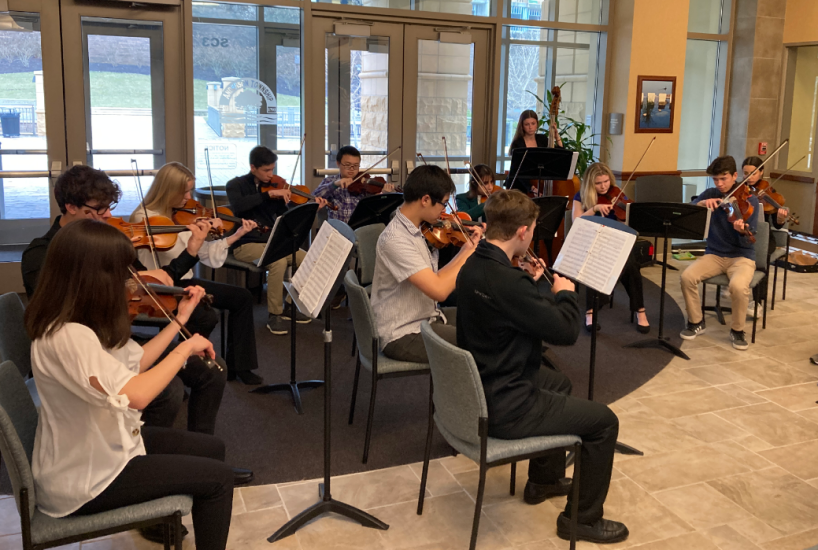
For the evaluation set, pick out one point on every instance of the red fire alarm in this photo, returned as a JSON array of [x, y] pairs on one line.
[[762, 148]]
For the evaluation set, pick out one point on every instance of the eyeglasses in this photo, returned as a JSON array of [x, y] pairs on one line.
[[100, 210], [351, 166]]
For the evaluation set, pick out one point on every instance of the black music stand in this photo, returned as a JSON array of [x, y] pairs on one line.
[[290, 232], [327, 504], [666, 220], [375, 209], [551, 216], [540, 163]]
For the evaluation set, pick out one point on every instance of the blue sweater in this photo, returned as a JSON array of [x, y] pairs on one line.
[[723, 240]]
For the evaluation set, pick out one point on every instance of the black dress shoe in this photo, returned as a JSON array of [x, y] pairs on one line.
[[535, 493], [246, 377], [603, 531], [644, 329], [156, 533], [242, 476]]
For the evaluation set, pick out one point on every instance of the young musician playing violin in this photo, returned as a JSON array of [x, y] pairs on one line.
[[596, 182], [407, 284], [747, 167], [247, 200], [91, 451], [171, 188], [469, 202], [83, 193], [503, 317], [728, 251], [335, 188]]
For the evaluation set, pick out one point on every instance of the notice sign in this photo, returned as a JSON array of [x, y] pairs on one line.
[[222, 155]]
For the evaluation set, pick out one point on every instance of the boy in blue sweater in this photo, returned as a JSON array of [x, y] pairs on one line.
[[729, 251]]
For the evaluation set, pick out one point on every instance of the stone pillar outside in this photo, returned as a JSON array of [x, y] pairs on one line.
[[39, 109], [231, 129]]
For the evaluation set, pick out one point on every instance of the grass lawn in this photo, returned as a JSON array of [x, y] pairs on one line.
[[114, 90]]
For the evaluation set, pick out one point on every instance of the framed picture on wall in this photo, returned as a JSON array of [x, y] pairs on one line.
[[655, 97]]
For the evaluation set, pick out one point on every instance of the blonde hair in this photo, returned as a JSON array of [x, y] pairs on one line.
[[167, 190], [587, 191]]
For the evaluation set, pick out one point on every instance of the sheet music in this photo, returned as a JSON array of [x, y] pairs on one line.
[[594, 254], [315, 277], [269, 240]]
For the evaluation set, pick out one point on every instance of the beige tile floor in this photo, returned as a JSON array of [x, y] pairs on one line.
[[730, 441]]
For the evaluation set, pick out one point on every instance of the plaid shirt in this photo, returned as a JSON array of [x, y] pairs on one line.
[[340, 197]]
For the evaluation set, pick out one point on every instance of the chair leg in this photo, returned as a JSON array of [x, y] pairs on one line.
[[784, 286], [371, 414], [224, 331], [427, 453], [755, 316], [354, 390], [513, 482], [775, 284], [704, 297], [354, 344], [478, 506], [178, 530], [168, 529], [764, 311], [575, 499], [719, 312]]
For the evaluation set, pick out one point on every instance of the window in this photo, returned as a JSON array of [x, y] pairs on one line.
[[802, 96], [591, 12], [482, 8], [534, 60], [247, 87], [704, 85]]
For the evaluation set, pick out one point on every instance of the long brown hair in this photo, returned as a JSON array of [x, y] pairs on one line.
[[525, 115], [166, 191], [83, 281]]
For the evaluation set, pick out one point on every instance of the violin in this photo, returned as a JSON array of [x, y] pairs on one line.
[[449, 230], [615, 197], [142, 298], [737, 206], [772, 200], [371, 185], [300, 193], [194, 211], [162, 229]]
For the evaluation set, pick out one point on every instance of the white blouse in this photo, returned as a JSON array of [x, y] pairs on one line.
[[84, 437], [212, 253]]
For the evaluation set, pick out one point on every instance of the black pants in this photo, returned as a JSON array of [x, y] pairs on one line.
[[557, 413], [177, 463], [631, 279], [206, 390], [241, 335]]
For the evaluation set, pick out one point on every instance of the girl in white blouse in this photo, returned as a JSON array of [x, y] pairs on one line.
[[171, 188], [91, 453]]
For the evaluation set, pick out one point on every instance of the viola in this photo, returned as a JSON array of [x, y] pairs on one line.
[[773, 200], [163, 229], [369, 184], [194, 211], [300, 194], [617, 198], [446, 231]]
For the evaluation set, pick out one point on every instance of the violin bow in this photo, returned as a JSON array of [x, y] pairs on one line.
[[622, 191], [476, 177], [511, 185], [751, 174], [452, 200], [794, 164], [418, 155], [446, 156], [300, 148], [210, 182], [135, 167], [380, 160], [169, 314]]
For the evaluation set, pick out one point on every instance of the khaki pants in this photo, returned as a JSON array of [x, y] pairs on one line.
[[738, 270], [251, 252]]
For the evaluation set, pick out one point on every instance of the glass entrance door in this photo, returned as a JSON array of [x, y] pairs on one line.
[[401, 85]]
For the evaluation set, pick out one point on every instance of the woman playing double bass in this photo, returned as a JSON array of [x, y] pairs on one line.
[[596, 182]]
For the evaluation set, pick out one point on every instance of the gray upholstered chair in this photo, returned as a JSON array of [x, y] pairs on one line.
[[461, 416], [778, 258], [758, 285], [15, 345], [18, 424], [365, 255], [369, 353]]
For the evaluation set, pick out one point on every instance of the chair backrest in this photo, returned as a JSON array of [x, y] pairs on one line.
[[15, 344], [762, 244], [658, 189], [780, 236], [363, 318], [367, 237], [18, 425], [458, 391]]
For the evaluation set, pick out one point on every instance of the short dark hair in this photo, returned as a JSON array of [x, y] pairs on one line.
[[722, 165], [427, 180], [347, 150], [755, 162], [80, 184], [86, 266], [506, 211], [262, 156]]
